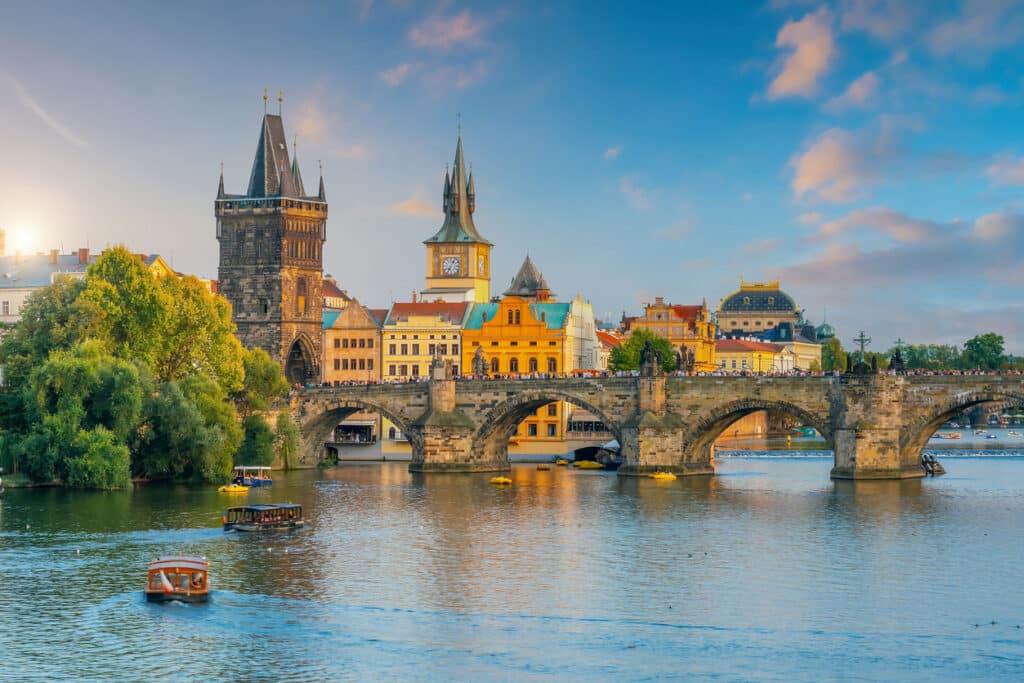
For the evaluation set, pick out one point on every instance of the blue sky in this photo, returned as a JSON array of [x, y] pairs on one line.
[[868, 154]]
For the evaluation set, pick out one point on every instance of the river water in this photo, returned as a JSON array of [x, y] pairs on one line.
[[768, 571]]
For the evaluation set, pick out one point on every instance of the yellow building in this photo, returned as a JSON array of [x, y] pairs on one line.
[[689, 328], [352, 349], [413, 332], [756, 307], [458, 257], [744, 355]]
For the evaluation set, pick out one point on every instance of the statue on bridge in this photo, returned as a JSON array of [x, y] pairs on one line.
[[650, 360], [896, 363], [479, 366]]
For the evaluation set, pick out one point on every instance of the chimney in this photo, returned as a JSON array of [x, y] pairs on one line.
[[414, 296], [83, 256], [659, 301], [53, 257]]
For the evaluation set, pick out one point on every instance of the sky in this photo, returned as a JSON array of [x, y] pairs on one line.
[[867, 154]]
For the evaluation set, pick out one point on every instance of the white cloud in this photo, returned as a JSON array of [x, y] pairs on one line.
[[833, 168], [314, 126], [638, 197], [30, 103], [613, 152], [999, 227], [812, 49], [416, 207], [396, 74], [897, 226], [810, 218], [860, 94], [883, 19], [1007, 171], [983, 27], [456, 77], [443, 33]]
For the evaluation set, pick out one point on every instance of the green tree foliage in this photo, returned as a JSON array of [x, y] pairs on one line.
[[287, 441], [984, 352], [263, 382], [930, 356], [626, 356], [833, 357], [258, 445]]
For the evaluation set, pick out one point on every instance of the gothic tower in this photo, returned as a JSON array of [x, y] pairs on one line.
[[271, 257], [458, 258]]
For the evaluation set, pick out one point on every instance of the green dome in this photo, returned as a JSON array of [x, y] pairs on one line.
[[825, 331]]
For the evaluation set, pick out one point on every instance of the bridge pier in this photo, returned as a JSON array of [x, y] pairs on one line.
[[868, 417]]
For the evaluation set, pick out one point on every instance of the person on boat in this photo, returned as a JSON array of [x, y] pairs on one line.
[[197, 580]]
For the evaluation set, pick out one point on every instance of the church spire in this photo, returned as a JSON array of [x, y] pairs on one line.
[[300, 191], [321, 194], [459, 204], [271, 172], [220, 185]]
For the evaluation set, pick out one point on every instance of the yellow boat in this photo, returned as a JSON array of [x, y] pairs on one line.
[[501, 481], [233, 488], [543, 466], [663, 476], [562, 462], [587, 465]]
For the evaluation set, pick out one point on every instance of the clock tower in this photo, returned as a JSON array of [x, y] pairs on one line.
[[458, 258]]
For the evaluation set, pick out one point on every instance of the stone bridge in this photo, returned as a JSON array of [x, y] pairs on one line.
[[876, 425]]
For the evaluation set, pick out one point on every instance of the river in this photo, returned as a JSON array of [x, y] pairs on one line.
[[768, 571]]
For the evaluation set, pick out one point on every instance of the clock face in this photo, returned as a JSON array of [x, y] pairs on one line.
[[450, 265], [483, 262]]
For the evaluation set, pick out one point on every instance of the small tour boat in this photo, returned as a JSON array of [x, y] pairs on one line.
[[954, 435], [178, 577], [501, 481], [252, 475], [233, 488], [263, 517], [562, 462], [544, 466], [991, 436], [663, 476]]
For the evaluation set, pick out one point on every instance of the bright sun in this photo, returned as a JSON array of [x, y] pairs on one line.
[[22, 238]]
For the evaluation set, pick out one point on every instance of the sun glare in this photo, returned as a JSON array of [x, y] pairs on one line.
[[22, 238]]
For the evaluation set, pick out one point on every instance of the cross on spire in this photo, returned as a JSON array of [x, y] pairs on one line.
[[863, 341], [899, 343]]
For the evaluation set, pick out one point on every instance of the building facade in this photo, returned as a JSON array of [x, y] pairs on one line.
[[458, 257], [352, 349], [689, 328], [756, 307], [414, 332], [271, 257], [747, 356]]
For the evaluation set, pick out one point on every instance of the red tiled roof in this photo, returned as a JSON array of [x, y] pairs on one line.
[[687, 312], [450, 312], [378, 313], [734, 345], [331, 289], [608, 340]]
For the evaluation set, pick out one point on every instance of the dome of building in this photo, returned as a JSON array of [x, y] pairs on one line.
[[825, 331], [758, 297]]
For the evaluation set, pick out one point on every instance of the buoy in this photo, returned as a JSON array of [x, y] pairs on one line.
[[501, 481], [544, 466], [587, 465], [663, 476]]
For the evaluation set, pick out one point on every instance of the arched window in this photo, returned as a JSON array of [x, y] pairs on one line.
[[510, 316], [494, 365], [533, 365], [391, 433], [300, 296], [517, 316], [552, 365], [513, 365]]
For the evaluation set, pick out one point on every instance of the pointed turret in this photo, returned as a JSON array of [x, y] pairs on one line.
[[529, 283], [321, 194], [271, 172], [446, 197], [220, 185], [471, 192], [300, 191], [458, 213]]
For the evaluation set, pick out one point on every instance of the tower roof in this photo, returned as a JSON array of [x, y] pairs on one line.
[[271, 173], [297, 177], [458, 214], [527, 281]]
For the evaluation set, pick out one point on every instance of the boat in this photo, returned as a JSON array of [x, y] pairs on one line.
[[980, 432], [991, 436], [663, 476], [561, 462], [587, 465], [954, 435], [233, 488], [501, 481], [263, 517], [179, 577], [252, 475], [544, 466], [1012, 433]]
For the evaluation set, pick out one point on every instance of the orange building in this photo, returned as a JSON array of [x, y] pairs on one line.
[[352, 349], [689, 328]]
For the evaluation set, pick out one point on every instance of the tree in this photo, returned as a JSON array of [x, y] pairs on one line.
[[287, 441], [832, 356], [263, 382], [984, 351], [258, 445], [626, 356]]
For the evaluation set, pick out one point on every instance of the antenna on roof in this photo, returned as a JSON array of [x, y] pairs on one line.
[[280, 101], [264, 100]]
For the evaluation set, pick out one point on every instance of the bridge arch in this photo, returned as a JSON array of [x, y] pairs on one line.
[[700, 435], [499, 423], [914, 437], [318, 423]]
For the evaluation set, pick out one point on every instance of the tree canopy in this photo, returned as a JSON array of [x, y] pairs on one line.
[[626, 356]]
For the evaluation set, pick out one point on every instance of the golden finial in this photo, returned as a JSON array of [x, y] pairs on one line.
[[264, 100]]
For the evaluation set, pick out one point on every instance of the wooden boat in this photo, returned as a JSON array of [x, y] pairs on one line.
[[263, 517], [252, 475], [178, 577]]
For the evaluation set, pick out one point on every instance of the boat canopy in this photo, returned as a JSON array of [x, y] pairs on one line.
[[267, 508], [181, 562], [257, 468]]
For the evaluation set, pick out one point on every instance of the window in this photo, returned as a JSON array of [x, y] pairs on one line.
[[552, 430], [533, 343], [405, 349], [300, 296], [533, 365], [415, 349], [494, 365], [517, 316], [515, 343], [552, 409], [455, 349], [362, 343], [444, 349], [391, 370], [510, 316], [369, 343], [362, 363], [494, 343], [369, 364], [265, 306], [744, 365], [430, 349], [391, 350], [403, 369], [746, 301], [513, 365], [552, 365], [531, 429], [733, 363], [551, 343], [415, 370], [337, 343], [337, 364], [344, 343]]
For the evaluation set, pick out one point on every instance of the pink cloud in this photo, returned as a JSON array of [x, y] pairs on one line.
[[860, 94], [1007, 171], [812, 49], [613, 152], [395, 75], [416, 207], [897, 226], [833, 168], [444, 33]]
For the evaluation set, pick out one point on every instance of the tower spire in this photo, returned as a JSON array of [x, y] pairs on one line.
[[220, 185], [300, 190], [321, 195]]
